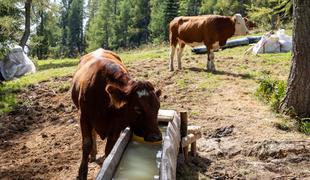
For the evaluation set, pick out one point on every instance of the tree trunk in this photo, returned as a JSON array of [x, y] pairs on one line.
[[26, 34], [297, 99]]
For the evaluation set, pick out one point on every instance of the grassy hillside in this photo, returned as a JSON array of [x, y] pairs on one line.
[[275, 65]]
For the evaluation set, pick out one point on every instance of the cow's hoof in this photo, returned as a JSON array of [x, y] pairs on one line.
[[100, 160], [211, 70], [171, 69], [92, 159]]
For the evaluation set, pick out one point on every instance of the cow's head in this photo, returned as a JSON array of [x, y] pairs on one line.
[[240, 27], [143, 104], [249, 24]]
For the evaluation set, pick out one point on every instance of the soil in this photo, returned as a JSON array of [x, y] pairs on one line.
[[41, 138]]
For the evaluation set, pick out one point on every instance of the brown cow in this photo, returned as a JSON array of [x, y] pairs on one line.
[[210, 30], [109, 100], [249, 24]]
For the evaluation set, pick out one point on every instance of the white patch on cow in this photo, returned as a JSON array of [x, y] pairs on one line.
[[142, 93], [216, 46], [98, 53], [240, 27], [180, 51], [193, 44]]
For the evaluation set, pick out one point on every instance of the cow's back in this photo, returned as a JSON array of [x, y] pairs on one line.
[[90, 81]]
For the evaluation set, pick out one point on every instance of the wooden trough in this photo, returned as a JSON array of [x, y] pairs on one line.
[[177, 138]]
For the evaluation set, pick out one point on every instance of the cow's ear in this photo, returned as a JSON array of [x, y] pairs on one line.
[[158, 93], [117, 96]]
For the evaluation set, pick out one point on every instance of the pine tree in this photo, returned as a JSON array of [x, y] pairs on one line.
[[208, 7], [157, 26], [120, 37], [75, 28], [297, 99], [45, 42], [11, 22], [189, 7], [99, 31], [170, 12], [140, 14]]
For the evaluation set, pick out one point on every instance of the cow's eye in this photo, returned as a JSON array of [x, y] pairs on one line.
[[138, 110]]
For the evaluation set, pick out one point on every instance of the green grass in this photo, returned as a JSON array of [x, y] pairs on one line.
[[47, 69], [144, 53], [271, 91]]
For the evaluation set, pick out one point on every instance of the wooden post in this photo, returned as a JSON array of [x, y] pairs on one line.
[[183, 132], [193, 149]]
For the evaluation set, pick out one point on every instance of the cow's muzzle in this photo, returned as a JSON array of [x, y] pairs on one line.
[[153, 137]]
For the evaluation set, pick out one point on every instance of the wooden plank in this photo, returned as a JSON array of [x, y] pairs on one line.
[[183, 116], [189, 139], [193, 149], [110, 163], [164, 118], [170, 149], [165, 115], [193, 129], [163, 112]]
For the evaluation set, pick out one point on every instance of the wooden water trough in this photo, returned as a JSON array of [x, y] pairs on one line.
[[176, 139]]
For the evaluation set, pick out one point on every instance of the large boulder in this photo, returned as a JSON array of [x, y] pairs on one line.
[[16, 64]]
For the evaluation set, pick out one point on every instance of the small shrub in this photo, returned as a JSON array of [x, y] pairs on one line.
[[271, 91], [304, 125]]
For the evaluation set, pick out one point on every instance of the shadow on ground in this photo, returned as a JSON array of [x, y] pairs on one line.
[[240, 75], [58, 65], [194, 168]]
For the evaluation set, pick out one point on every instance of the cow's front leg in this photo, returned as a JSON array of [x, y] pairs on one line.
[[93, 152], [172, 52], [210, 64], [86, 148], [180, 52], [111, 140]]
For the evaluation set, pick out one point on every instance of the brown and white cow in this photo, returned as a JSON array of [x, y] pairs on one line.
[[109, 100], [210, 30]]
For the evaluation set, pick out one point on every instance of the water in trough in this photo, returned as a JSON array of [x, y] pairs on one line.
[[140, 160]]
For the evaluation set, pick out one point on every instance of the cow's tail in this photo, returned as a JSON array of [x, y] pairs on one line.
[[75, 95]]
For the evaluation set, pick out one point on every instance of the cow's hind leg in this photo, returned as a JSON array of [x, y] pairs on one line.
[[210, 63], [180, 52], [172, 52], [93, 152], [86, 147]]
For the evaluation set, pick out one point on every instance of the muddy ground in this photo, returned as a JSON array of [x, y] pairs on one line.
[[41, 139]]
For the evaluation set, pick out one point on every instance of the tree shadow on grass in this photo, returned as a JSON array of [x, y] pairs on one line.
[[240, 75], [57, 65], [194, 168]]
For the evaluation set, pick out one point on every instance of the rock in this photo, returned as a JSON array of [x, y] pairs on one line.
[[278, 149], [222, 132], [71, 121]]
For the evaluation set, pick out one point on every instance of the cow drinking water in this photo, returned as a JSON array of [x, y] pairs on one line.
[[209, 30], [109, 100]]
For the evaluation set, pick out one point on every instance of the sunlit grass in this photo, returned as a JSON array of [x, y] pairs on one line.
[[10, 88], [144, 53], [276, 65]]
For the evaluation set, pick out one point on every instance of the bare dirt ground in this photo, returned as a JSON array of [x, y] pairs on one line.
[[40, 139]]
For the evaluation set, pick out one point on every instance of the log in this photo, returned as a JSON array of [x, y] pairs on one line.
[[183, 132], [193, 129], [183, 116], [193, 149], [189, 139], [110, 163]]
